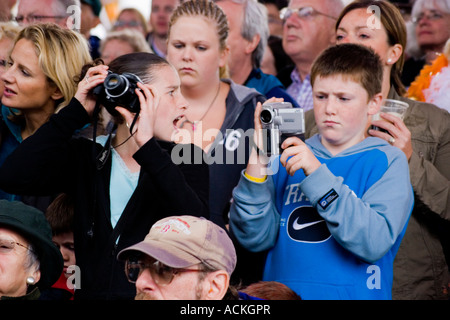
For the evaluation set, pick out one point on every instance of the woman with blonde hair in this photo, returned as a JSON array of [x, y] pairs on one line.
[[39, 81], [8, 32], [198, 32], [220, 119], [121, 184]]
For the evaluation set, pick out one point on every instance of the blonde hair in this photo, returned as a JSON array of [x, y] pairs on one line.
[[209, 10], [8, 30], [62, 53]]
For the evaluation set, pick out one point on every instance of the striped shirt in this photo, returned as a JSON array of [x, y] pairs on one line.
[[301, 91]]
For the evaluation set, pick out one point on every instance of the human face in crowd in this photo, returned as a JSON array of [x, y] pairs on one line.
[[114, 48], [160, 16], [354, 29], [275, 22], [432, 28], [194, 50], [239, 46], [129, 20], [341, 109], [185, 285], [33, 11], [13, 274], [305, 38], [26, 85], [172, 105], [6, 45], [65, 244]]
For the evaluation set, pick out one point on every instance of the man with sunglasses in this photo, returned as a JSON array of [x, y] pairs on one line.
[[308, 30], [182, 258]]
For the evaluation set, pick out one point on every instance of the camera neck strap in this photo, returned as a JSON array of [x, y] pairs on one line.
[[102, 157]]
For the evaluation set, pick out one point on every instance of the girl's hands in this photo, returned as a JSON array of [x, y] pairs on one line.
[[144, 126], [94, 76]]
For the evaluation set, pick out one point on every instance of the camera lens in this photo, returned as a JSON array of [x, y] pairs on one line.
[[116, 85], [266, 116]]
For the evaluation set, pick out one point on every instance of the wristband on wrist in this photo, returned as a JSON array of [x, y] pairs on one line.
[[253, 179]]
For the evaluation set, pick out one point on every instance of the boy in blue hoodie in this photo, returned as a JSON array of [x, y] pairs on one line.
[[334, 213]]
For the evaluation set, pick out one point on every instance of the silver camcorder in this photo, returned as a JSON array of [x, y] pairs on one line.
[[279, 121]]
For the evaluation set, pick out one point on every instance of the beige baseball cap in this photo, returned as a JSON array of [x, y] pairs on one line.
[[184, 241]]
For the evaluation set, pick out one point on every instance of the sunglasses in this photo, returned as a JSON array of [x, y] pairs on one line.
[[162, 274]]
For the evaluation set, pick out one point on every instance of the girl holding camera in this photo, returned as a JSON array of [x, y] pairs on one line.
[[122, 188]]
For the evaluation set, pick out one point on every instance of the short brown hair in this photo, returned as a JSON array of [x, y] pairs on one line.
[[358, 62], [60, 214]]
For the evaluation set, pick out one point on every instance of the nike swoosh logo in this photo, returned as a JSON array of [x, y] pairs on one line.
[[297, 226]]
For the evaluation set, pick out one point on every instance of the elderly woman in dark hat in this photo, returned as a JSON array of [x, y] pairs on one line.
[[29, 261]]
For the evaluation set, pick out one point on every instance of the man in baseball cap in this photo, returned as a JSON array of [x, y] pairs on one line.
[[182, 258]]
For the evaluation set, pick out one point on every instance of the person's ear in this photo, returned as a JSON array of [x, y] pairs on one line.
[[375, 104], [57, 94], [224, 57], [395, 52], [216, 285], [251, 45], [34, 277]]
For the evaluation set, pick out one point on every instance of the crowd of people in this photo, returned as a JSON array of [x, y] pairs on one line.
[[135, 165]]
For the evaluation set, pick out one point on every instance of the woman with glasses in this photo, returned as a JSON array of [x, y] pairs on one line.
[[122, 182], [420, 268], [38, 81], [131, 18], [29, 261], [118, 43], [428, 31]]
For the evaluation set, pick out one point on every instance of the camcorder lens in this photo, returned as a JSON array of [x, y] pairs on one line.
[[266, 116]]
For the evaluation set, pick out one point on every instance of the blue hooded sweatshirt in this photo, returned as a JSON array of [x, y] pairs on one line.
[[335, 233]]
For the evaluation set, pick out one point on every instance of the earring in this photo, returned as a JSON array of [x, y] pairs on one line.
[[389, 60], [30, 280]]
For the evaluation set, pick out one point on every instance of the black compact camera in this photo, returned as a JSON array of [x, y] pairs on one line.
[[119, 90], [279, 121]]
